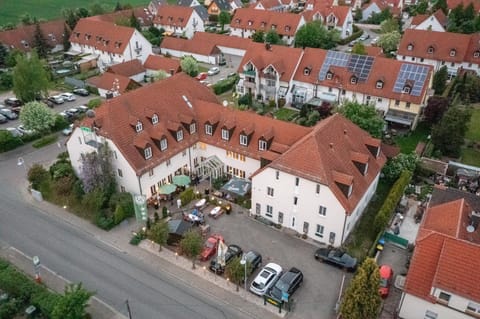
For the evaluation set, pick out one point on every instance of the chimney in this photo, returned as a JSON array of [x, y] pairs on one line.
[[268, 47], [331, 145], [344, 132]]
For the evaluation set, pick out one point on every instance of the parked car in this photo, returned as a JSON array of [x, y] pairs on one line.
[[254, 258], [67, 131], [22, 129], [386, 277], [232, 252], [68, 97], [287, 284], [374, 41], [9, 114], [210, 247], [56, 99], [73, 111], [12, 101], [201, 76], [48, 103], [267, 277], [82, 108], [336, 257], [81, 92], [66, 116], [3, 119], [14, 131], [213, 71], [364, 37]]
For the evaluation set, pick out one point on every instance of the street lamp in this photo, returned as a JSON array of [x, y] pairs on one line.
[[21, 162], [243, 262]]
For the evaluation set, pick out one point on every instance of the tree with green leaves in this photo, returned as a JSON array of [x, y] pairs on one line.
[[365, 116], [192, 245], [36, 116], [223, 19], [398, 164], [258, 36], [27, 19], [377, 18], [314, 35], [3, 55], [448, 135], [189, 65], [11, 60], [73, 304], [30, 78], [440, 80], [362, 299], [118, 7], [71, 17], [359, 48], [436, 107], [235, 271], [97, 9], [40, 43], [134, 23], [389, 41], [389, 25], [442, 5], [159, 233], [272, 37]]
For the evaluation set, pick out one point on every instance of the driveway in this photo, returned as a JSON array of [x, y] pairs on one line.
[[231, 67], [317, 297]]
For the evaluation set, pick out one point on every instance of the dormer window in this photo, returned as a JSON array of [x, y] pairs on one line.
[[139, 127], [430, 49], [307, 70], [225, 134], [350, 190], [453, 52], [243, 140], [154, 119], [193, 128], [410, 47], [179, 135], [379, 84], [208, 129], [287, 28], [163, 144], [353, 80], [264, 24], [262, 145], [274, 26], [406, 89], [329, 75], [476, 54], [250, 22], [147, 152], [237, 20]]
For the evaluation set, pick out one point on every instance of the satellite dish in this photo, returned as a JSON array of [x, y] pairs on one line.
[[91, 113], [470, 229], [225, 103]]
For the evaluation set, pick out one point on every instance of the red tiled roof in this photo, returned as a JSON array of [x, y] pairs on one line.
[[106, 80], [51, 30], [252, 19], [128, 69], [102, 35], [170, 15], [441, 42], [439, 15], [283, 59], [391, 5], [143, 17], [324, 156], [324, 9], [374, 51], [158, 62], [268, 4], [186, 45]]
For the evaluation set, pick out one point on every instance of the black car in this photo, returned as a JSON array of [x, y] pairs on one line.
[[232, 252], [254, 258], [287, 284], [81, 92], [336, 257], [13, 102]]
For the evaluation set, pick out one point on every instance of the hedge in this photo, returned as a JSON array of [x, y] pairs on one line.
[[394, 196], [357, 33], [225, 85]]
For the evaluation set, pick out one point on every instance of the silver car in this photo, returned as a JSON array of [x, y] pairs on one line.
[[267, 277]]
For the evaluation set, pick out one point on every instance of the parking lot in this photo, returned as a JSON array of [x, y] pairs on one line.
[[317, 296]]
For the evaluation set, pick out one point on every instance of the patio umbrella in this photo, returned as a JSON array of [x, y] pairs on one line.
[[167, 189], [181, 180]]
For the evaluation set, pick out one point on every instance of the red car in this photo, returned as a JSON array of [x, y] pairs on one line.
[[202, 76], [210, 247], [386, 277]]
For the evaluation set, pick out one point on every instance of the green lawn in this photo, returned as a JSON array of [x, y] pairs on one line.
[[285, 114], [408, 142], [473, 132], [11, 10], [470, 156]]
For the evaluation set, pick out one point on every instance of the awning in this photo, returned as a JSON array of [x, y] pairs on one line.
[[400, 117], [328, 97], [237, 186]]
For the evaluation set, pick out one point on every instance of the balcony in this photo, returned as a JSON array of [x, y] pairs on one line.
[[250, 73]]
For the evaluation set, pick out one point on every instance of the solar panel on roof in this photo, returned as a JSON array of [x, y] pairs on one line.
[[415, 73], [360, 65], [333, 58]]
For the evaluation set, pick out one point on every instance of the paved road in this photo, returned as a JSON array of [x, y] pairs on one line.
[[79, 254]]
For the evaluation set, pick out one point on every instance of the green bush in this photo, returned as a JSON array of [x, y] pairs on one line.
[[46, 140], [119, 215], [37, 174], [136, 239], [125, 201], [60, 123], [187, 196], [10, 308], [94, 103], [8, 141], [224, 85], [104, 222]]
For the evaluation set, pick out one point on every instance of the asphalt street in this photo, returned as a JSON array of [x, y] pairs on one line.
[[80, 255]]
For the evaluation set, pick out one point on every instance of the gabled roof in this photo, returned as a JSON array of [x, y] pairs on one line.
[[283, 59], [22, 37], [186, 45], [158, 62], [223, 5], [202, 12], [176, 16], [267, 4], [442, 44], [339, 12], [106, 81], [392, 5], [286, 24], [325, 156], [438, 15], [128, 69], [144, 17], [102, 35]]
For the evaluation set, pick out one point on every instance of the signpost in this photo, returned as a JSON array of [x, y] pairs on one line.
[[140, 205], [36, 266]]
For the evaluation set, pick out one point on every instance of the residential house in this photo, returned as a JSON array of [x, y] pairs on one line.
[[197, 6], [156, 63], [454, 50], [217, 6], [442, 280], [332, 17], [132, 69], [399, 90], [177, 126], [178, 21], [270, 5], [267, 70], [435, 22], [247, 21], [109, 43], [110, 85], [143, 16], [377, 6], [22, 37]]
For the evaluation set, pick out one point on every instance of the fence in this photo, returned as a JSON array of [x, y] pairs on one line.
[[74, 82], [397, 240]]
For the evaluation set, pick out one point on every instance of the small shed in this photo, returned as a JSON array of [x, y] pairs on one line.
[[178, 228]]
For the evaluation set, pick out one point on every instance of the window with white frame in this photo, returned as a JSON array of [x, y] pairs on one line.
[[430, 315], [476, 54], [269, 211], [270, 191], [262, 145], [317, 189], [243, 140], [473, 307], [139, 127], [154, 119], [322, 210], [329, 75], [122, 189], [163, 144], [297, 181], [353, 80], [406, 89], [430, 50], [193, 128], [147, 152], [319, 231], [295, 200], [179, 135], [444, 296], [280, 218], [305, 227], [208, 129], [453, 52], [120, 172], [277, 175], [379, 84], [225, 134], [258, 208], [150, 172]]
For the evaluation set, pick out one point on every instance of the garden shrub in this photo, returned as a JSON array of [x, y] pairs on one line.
[[104, 222], [8, 141], [46, 140], [187, 196], [224, 85], [36, 175], [119, 215], [94, 103], [10, 308], [125, 201]]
